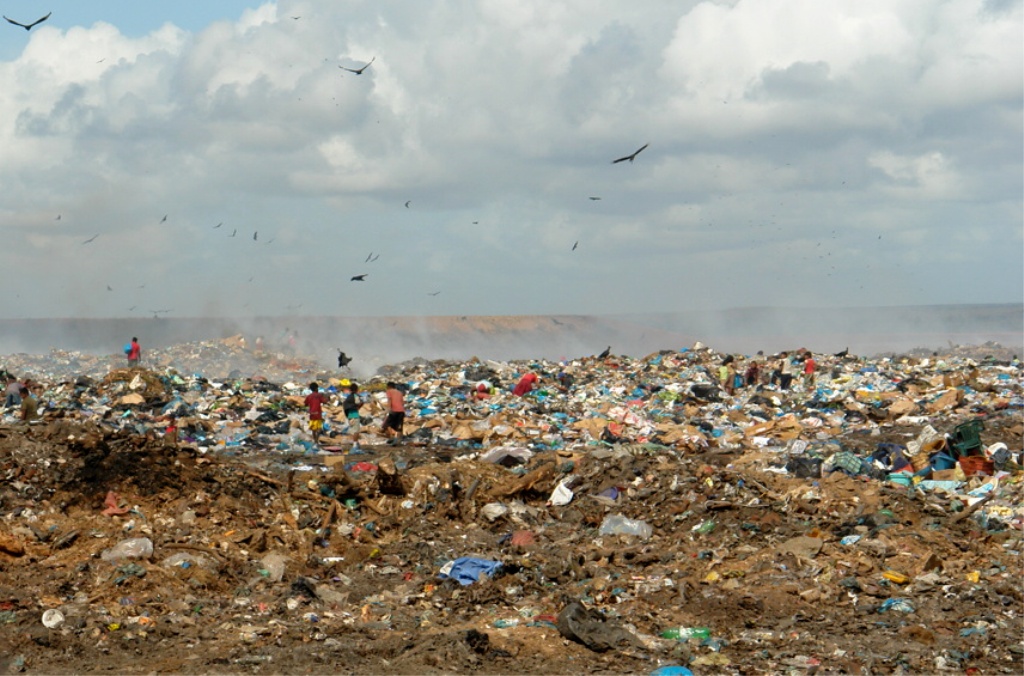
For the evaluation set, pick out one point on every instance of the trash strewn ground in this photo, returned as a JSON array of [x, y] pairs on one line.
[[626, 515]]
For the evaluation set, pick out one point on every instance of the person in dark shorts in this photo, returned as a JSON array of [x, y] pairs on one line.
[[395, 421], [351, 408]]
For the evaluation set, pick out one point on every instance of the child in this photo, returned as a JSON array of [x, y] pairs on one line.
[[351, 408], [315, 400]]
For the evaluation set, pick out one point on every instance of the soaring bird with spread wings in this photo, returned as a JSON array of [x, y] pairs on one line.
[[358, 71], [29, 26], [631, 157]]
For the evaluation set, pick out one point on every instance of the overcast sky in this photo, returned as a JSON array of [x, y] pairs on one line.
[[801, 153]]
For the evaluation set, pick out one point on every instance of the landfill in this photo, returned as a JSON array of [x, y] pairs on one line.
[[625, 515]]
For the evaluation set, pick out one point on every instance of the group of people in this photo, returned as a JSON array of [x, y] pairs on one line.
[[18, 395], [777, 371], [394, 422]]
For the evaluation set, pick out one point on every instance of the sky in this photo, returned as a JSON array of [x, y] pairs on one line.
[[199, 159]]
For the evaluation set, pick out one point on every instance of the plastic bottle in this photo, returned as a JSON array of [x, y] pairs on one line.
[[686, 633]]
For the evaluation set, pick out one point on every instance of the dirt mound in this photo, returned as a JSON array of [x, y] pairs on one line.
[[315, 567]]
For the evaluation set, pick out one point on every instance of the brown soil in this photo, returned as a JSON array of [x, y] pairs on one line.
[[360, 591]]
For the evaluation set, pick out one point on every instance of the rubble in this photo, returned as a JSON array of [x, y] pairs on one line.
[[627, 515]]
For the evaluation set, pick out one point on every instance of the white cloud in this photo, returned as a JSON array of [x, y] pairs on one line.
[[769, 122]]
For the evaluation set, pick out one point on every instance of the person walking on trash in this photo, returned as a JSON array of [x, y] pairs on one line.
[[785, 372], [316, 400], [351, 408], [727, 375], [810, 366], [395, 422], [134, 352]]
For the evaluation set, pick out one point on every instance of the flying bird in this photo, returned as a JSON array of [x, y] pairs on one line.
[[218, 225], [368, 257], [357, 71], [132, 308], [58, 217], [359, 278], [233, 232], [29, 26], [631, 157], [343, 359], [597, 198], [434, 294], [606, 353], [108, 288], [407, 203], [575, 244], [90, 239], [254, 235], [374, 258], [164, 219]]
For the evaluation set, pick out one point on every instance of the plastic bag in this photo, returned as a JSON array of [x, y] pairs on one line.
[[616, 524], [133, 548]]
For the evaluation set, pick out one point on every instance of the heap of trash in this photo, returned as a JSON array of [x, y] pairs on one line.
[[625, 514]]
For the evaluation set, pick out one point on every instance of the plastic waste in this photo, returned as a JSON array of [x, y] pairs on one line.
[[53, 618], [493, 510], [132, 548], [467, 570], [562, 495], [686, 633], [897, 605], [189, 559], [274, 563], [671, 671], [616, 524]]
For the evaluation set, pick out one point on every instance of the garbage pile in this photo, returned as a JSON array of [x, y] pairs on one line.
[[625, 514]]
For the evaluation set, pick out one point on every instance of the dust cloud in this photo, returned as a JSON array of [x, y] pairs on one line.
[[376, 341]]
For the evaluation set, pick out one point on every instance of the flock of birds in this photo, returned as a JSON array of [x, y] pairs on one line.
[[255, 235]]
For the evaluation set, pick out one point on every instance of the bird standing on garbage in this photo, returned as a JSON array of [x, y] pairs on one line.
[[606, 353], [30, 25], [343, 359], [631, 157]]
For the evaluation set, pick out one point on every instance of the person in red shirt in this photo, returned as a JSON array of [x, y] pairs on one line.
[[134, 352], [525, 384], [315, 400], [395, 422], [809, 367]]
